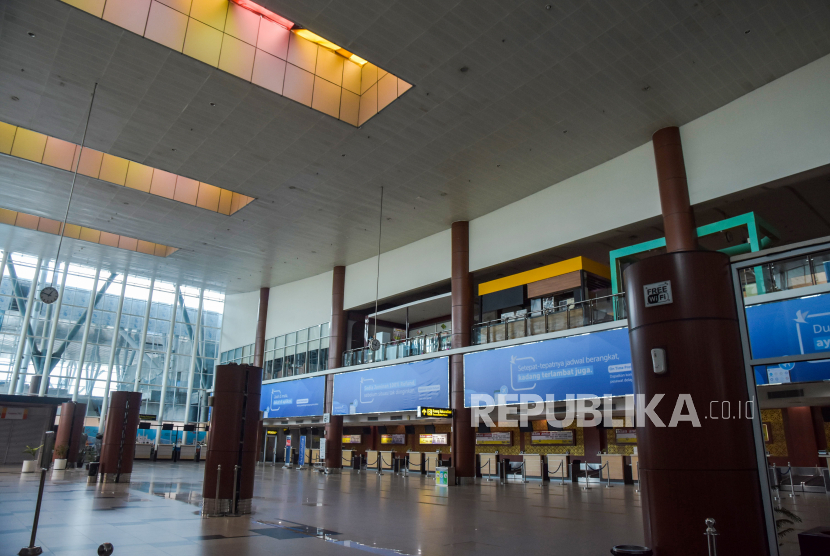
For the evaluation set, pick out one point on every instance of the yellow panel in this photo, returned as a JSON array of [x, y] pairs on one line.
[[387, 90], [49, 226], [128, 243], [163, 184], [273, 38], [95, 7], [128, 14], [236, 202], [182, 6], [326, 97], [382, 73], [351, 76], [208, 197], [403, 86], [237, 58], [187, 190], [108, 238], [544, 272], [24, 220], [114, 169], [302, 53], [29, 144], [7, 132], [349, 107], [166, 26], [225, 198], [242, 24], [139, 177], [369, 77], [58, 153], [170, 251], [7, 216], [330, 66], [160, 250], [269, 71], [210, 12], [203, 43], [88, 234], [368, 104], [298, 85], [146, 247], [90, 164], [72, 231]]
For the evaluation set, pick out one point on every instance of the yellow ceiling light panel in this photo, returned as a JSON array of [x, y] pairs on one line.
[[252, 43], [51, 151], [543, 273], [91, 235]]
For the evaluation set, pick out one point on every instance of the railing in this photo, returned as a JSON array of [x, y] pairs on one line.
[[584, 313], [398, 349], [787, 274]]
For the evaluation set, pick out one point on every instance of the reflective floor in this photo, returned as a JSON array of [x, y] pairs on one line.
[[307, 513]]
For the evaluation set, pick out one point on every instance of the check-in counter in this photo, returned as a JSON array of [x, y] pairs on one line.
[[164, 451], [554, 470], [387, 460], [533, 466], [143, 451], [346, 458], [635, 468], [187, 452], [315, 456], [372, 459], [488, 464], [615, 466], [430, 462], [416, 462]]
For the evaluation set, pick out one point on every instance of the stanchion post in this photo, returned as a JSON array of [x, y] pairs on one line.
[[792, 481], [711, 533], [586, 487], [608, 484], [639, 479], [216, 497], [235, 485], [33, 550]]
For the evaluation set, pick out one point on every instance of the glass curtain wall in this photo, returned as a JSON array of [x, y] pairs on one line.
[[53, 343]]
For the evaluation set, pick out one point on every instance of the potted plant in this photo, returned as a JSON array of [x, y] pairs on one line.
[[30, 465], [60, 457]]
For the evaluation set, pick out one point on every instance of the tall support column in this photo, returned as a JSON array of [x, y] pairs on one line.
[[24, 329], [111, 363], [85, 339], [194, 355], [698, 331], [143, 341], [50, 349], [337, 344], [463, 434], [3, 262], [70, 428], [168, 354], [118, 446], [232, 440], [262, 318]]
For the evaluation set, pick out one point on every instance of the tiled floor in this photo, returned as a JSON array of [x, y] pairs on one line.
[[306, 513]]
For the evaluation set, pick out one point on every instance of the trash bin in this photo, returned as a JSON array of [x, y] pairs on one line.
[[445, 476], [93, 469], [631, 550]]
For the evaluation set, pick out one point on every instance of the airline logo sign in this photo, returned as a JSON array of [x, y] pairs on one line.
[[658, 293]]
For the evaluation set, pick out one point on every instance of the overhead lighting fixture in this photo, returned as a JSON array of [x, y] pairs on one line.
[[315, 38], [267, 14]]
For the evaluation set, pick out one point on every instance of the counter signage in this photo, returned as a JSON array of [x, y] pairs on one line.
[[351, 439], [271, 433], [585, 365], [658, 293], [401, 387], [433, 413], [436, 439], [16, 413], [494, 438], [625, 436], [393, 439], [293, 398], [147, 417], [558, 438]]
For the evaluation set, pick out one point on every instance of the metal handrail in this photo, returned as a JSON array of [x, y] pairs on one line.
[[431, 343]]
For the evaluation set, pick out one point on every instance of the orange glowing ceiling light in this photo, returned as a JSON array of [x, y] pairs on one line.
[[268, 14]]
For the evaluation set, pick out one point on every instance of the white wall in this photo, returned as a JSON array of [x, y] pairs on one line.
[[239, 320], [299, 305]]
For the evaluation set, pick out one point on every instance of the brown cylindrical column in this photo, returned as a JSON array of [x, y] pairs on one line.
[[678, 218], [118, 445], [70, 429], [337, 344], [463, 434], [234, 422], [262, 317]]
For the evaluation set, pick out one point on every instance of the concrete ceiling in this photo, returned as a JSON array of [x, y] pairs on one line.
[[549, 90]]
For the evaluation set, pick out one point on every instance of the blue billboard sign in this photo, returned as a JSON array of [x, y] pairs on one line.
[[587, 365], [401, 387], [302, 397], [791, 327]]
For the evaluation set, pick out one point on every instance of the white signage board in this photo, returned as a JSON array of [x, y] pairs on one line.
[[658, 293]]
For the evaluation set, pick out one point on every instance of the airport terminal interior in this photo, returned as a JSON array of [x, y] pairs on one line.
[[415, 277]]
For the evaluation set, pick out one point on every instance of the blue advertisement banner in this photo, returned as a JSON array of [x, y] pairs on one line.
[[586, 365], [394, 388], [301, 455], [303, 397]]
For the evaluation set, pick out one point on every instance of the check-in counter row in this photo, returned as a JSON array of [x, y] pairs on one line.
[[187, 452], [557, 466], [414, 462]]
